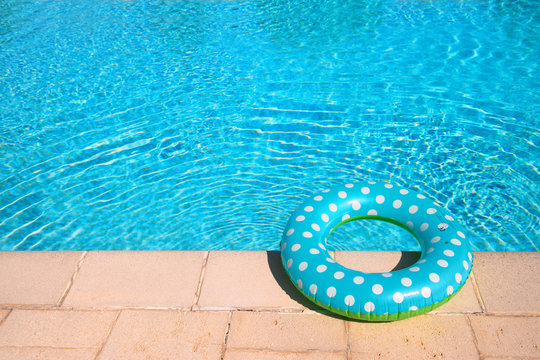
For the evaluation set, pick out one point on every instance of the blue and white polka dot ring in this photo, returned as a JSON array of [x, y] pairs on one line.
[[440, 272]]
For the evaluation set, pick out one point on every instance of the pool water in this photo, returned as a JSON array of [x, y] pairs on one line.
[[203, 124]]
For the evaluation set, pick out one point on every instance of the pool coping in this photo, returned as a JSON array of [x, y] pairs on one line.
[[241, 305]]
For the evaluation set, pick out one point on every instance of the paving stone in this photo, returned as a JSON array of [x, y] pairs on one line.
[[56, 328], [286, 332], [272, 355], [465, 301], [157, 334], [507, 335], [421, 337], [36, 353], [137, 279], [3, 314], [506, 281], [35, 278], [248, 279]]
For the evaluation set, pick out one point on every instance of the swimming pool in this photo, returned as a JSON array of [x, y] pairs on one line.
[[202, 125]]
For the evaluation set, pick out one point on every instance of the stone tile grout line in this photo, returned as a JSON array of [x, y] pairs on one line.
[[108, 335], [348, 335], [72, 280], [226, 338], [475, 340], [5, 317], [201, 279], [477, 293]]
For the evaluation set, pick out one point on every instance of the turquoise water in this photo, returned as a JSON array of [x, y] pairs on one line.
[[202, 125]]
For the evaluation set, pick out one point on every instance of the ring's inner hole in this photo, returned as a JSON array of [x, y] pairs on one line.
[[373, 235]]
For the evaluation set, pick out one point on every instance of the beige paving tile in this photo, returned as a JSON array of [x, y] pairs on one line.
[[137, 279], [286, 332], [38, 278], [3, 314], [464, 301], [421, 337], [273, 355], [375, 261], [56, 328], [507, 335], [27, 353], [248, 279], [146, 334], [508, 281]]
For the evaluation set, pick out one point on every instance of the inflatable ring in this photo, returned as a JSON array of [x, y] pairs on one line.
[[440, 272]]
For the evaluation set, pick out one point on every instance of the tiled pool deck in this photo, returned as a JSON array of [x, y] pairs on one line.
[[240, 305]]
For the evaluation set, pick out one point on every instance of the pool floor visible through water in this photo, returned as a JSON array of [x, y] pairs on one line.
[[203, 124]]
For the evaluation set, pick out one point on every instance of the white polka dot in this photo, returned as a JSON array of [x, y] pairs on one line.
[[290, 232], [387, 275], [330, 260], [322, 246], [355, 204], [308, 208], [388, 186], [448, 217], [397, 204], [369, 306], [413, 209], [430, 250], [442, 263], [377, 289], [442, 226], [424, 226], [365, 190], [449, 253], [398, 297], [426, 292], [431, 211], [339, 275], [321, 268], [358, 280], [469, 255], [307, 234], [406, 282], [325, 217], [331, 291], [313, 289], [326, 190], [342, 194], [283, 246], [458, 278], [413, 308], [415, 269], [436, 204], [317, 198], [420, 196], [295, 247], [345, 217], [461, 235], [409, 224], [465, 265], [372, 182], [434, 277], [289, 263], [314, 251], [422, 261], [315, 227], [455, 242], [349, 300], [403, 192], [379, 199], [372, 212], [435, 239], [303, 266], [349, 186], [299, 282], [332, 207], [449, 290], [300, 218]]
